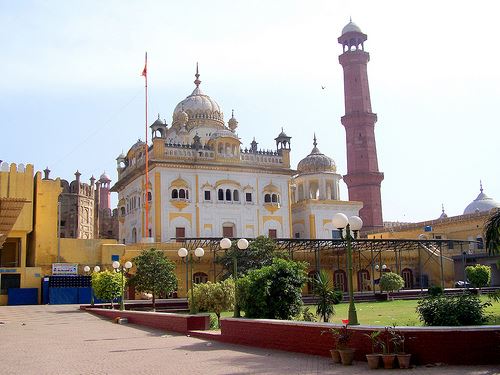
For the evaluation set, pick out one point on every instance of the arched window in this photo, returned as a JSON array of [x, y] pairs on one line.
[[134, 235], [182, 194], [407, 276], [236, 196], [228, 195], [364, 283], [220, 194], [274, 198], [339, 280], [122, 210], [200, 278], [150, 196], [175, 194], [267, 198], [187, 194]]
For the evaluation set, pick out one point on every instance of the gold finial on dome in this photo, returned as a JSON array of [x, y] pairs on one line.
[[197, 75]]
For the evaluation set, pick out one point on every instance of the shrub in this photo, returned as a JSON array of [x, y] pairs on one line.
[[308, 315], [214, 297], [465, 309], [435, 290], [391, 281], [327, 296], [478, 275], [273, 292], [107, 285]]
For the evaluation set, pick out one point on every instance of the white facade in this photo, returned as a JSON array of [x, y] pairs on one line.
[[202, 183]]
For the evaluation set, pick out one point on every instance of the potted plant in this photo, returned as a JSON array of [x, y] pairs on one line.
[[387, 356], [343, 339], [398, 341], [373, 359], [334, 352]]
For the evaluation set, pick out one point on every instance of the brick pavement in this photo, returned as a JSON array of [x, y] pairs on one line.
[[63, 340]]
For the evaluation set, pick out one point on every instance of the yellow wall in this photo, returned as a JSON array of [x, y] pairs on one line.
[[14, 184]]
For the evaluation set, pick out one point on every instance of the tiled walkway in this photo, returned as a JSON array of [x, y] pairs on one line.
[[63, 340]]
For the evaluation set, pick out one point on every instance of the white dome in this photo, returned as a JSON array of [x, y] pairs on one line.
[[198, 106], [351, 27], [482, 203], [316, 162]]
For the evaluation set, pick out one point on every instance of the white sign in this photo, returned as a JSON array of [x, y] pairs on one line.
[[65, 269]]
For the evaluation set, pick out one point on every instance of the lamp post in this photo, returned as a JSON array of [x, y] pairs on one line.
[[86, 269], [183, 253], [354, 223], [126, 267], [242, 244]]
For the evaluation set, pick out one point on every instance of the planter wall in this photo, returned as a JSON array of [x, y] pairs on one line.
[[451, 345], [182, 323]]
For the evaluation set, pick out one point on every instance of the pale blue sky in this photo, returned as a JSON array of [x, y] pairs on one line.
[[71, 94]]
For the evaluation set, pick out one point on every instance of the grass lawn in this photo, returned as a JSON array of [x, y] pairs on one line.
[[388, 313], [399, 312]]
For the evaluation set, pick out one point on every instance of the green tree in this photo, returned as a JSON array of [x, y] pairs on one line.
[[274, 291], [492, 233], [391, 281], [260, 253], [326, 294], [155, 273], [478, 275], [214, 297], [107, 285]]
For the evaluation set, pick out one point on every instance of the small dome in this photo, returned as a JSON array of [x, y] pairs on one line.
[[158, 122], [316, 162], [482, 203], [351, 27], [104, 177], [223, 133]]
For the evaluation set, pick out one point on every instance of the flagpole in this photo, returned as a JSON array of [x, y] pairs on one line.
[[147, 147]]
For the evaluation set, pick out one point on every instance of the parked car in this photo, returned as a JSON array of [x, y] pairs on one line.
[[463, 284]]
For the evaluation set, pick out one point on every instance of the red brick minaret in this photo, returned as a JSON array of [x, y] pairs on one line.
[[363, 177]]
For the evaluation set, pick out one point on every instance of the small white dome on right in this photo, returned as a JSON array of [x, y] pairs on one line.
[[482, 203]]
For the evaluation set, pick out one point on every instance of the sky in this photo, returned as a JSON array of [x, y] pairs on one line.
[[71, 94]]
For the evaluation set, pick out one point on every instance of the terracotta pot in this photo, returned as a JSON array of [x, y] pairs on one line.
[[346, 356], [388, 360], [404, 360], [373, 360], [335, 355]]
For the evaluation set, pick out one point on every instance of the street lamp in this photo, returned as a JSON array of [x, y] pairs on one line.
[[183, 253], [354, 223], [86, 269], [242, 244], [126, 267]]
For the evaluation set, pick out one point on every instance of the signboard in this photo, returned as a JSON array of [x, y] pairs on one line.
[[65, 269]]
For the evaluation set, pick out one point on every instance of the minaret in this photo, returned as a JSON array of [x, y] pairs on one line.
[[363, 177]]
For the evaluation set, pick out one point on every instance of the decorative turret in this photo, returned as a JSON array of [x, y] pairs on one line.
[[232, 123], [158, 128], [282, 141]]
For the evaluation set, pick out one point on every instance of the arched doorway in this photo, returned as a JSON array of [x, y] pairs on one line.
[[340, 280], [407, 275], [364, 283]]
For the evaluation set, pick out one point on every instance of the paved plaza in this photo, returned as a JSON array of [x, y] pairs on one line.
[[63, 340]]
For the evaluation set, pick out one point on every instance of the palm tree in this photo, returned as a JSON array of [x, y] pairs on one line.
[[492, 233], [327, 295]]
